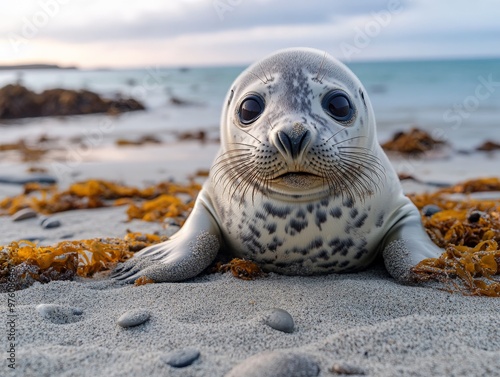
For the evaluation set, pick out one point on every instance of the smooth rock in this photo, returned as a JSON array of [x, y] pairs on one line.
[[24, 214], [280, 320], [475, 216], [181, 358], [49, 223], [346, 369], [133, 318], [20, 102], [59, 314], [431, 209], [276, 364], [34, 238]]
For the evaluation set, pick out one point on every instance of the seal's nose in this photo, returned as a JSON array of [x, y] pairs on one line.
[[293, 141]]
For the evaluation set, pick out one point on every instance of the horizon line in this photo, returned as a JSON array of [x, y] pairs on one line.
[[50, 65]]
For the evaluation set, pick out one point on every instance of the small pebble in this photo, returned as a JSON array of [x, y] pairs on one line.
[[59, 314], [280, 320], [34, 238], [346, 369], [49, 223], [475, 216], [133, 318], [276, 364], [23, 214], [431, 209], [181, 358]]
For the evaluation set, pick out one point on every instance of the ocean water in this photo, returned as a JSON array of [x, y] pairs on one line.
[[457, 100]]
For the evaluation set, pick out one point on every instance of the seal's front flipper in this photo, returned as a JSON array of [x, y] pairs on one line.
[[405, 245], [186, 254]]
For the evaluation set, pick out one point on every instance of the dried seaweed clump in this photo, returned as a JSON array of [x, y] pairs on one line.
[[27, 152], [101, 193], [469, 230], [22, 263], [488, 146], [411, 142], [240, 268], [161, 208], [146, 139]]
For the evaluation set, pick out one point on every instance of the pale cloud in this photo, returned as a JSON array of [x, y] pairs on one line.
[[157, 32]]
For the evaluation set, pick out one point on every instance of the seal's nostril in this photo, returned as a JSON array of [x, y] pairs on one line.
[[283, 143], [292, 145], [304, 141]]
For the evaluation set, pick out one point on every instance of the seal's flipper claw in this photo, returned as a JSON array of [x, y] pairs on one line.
[[121, 269], [133, 278], [149, 251], [161, 256], [116, 271], [126, 274]]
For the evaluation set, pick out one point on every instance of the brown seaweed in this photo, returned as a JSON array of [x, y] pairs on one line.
[[415, 141], [240, 268], [152, 203], [469, 230], [25, 262]]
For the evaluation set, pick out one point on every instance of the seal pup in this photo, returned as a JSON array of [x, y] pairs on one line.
[[300, 184]]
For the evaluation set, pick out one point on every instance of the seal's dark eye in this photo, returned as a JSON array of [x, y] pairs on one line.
[[250, 109], [338, 106]]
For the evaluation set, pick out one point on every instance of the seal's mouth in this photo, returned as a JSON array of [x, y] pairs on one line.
[[296, 175], [296, 182]]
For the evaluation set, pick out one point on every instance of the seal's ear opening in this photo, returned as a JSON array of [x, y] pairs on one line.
[[362, 96], [230, 97]]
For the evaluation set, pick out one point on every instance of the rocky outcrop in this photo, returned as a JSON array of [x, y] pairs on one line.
[[16, 101]]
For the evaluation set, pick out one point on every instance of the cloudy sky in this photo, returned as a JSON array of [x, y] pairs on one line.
[[122, 33]]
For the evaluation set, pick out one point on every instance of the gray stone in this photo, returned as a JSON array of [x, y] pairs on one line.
[[181, 358], [23, 214], [347, 369], [49, 223], [34, 238], [276, 364], [431, 209], [475, 216], [59, 314], [133, 318], [280, 320]]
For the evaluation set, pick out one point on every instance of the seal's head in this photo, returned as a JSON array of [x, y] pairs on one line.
[[298, 126]]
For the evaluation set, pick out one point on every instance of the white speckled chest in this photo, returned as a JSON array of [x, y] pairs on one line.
[[328, 235]]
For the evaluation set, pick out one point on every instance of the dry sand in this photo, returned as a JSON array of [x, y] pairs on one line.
[[362, 321]]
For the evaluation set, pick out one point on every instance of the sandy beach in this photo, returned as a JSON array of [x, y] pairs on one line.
[[362, 323], [360, 320]]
